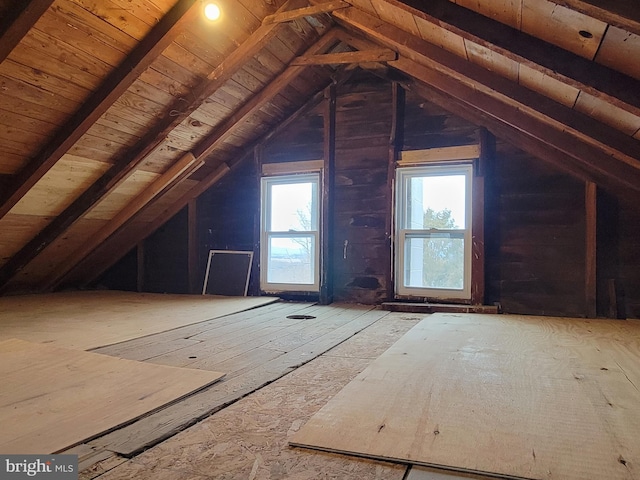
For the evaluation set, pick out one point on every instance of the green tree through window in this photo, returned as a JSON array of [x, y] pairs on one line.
[[443, 254]]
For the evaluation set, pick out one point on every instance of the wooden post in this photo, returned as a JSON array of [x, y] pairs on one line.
[[328, 184], [590, 201], [254, 280], [140, 269], [192, 235], [487, 152], [396, 141]]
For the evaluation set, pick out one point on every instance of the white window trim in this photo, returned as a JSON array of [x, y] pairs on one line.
[[402, 175], [270, 287]]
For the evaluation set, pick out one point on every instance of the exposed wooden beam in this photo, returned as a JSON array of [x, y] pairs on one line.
[[18, 22], [328, 197], [209, 143], [187, 164], [590, 202], [116, 83], [192, 245], [222, 131], [326, 7], [126, 164], [620, 13], [598, 147], [367, 56], [597, 80]]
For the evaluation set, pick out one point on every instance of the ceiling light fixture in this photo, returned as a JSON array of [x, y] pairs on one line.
[[212, 11]]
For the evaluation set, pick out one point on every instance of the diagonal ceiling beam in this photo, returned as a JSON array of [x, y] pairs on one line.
[[126, 164], [18, 23], [592, 144], [116, 83], [87, 271], [591, 77], [620, 13]]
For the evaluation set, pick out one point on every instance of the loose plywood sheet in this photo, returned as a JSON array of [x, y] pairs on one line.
[[522, 397], [53, 398], [85, 320]]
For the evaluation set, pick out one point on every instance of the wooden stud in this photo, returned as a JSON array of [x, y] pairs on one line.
[[328, 198], [396, 142], [590, 201], [193, 245], [140, 265]]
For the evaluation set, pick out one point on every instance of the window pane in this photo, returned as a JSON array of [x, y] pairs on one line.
[[292, 207], [436, 201], [434, 261], [291, 260]]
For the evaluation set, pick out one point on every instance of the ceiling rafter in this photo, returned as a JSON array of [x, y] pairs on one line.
[[588, 141], [18, 23], [133, 238], [169, 179], [114, 85], [555, 62], [222, 131], [624, 14], [127, 163]]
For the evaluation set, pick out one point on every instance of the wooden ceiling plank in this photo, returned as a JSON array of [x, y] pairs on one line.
[[187, 164], [288, 16], [620, 13], [111, 89], [20, 20], [125, 165], [92, 273], [590, 142], [598, 80], [361, 56]]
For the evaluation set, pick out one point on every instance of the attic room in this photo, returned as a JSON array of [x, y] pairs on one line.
[[298, 239]]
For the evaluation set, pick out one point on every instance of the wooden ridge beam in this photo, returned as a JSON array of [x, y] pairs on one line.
[[114, 85], [169, 179], [126, 164], [593, 78], [326, 7], [18, 22], [360, 56], [592, 143]]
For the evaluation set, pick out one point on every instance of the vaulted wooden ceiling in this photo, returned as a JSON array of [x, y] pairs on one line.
[[114, 114]]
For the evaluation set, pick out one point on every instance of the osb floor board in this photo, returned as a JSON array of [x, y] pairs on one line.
[[90, 319], [522, 397], [249, 439], [53, 398], [250, 367]]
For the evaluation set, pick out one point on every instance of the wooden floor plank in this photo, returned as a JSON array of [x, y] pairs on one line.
[[516, 396], [53, 398], [87, 320], [165, 423]]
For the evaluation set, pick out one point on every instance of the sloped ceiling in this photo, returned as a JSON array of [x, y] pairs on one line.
[[114, 114]]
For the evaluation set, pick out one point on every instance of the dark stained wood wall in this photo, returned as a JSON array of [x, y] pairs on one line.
[[534, 217], [535, 237]]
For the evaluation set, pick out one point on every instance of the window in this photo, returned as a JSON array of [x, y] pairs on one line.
[[290, 233], [433, 231]]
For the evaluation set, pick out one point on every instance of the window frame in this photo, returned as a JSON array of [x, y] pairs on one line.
[[403, 175], [266, 235]]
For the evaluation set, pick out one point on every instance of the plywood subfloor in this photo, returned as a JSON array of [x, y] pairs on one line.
[[248, 440], [253, 348], [522, 397], [86, 320], [52, 398]]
